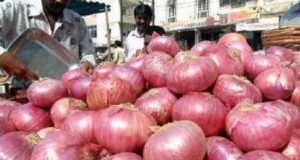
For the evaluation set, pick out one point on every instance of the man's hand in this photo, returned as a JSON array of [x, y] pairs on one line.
[[86, 67], [13, 66]]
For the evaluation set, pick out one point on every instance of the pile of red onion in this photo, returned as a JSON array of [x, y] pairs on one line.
[[218, 101]]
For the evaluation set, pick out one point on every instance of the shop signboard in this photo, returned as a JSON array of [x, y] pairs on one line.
[[261, 25], [190, 24], [240, 16]]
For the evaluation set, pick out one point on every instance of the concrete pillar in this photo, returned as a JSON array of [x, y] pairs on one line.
[[197, 36]]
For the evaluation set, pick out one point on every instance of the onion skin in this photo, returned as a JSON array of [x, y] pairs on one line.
[[242, 47], [227, 61], [261, 126], [109, 91], [7, 107], [284, 54], [232, 90], [127, 127], [62, 108], [6, 126], [198, 48], [81, 125], [259, 63], [63, 146], [276, 83], [71, 75], [38, 92], [124, 156], [157, 102], [259, 52], [292, 150], [205, 110], [155, 67], [164, 44], [291, 108], [221, 148], [137, 62], [43, 133], [17, 145], [230, 37], [132, 76], [263, 155], [78, 87], [295, 96], [102, 70], [191, 73], [30, 118], [182, 140]]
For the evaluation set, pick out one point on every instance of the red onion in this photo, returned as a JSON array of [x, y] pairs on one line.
[[230, 37], [109, 91], [17, 145], [78, 87], [199, 47], [292, 151], [71, 75], [182, 140], [63, 108], [220, 148], [7, 107], [295, 96], [259, 126], [296, 57], [259, 63], [263, 155], [43, 133], [227, 61], [128, 128], [64, 146], [296, 69], [284, 53], [30, 118], [276, 83], [164, 44], [155, 67], [124, 156], [80, 124], [242, 47], [205, 110], [191, 74], [6, 126], [157, 102], [291, 108], [233, 89], [102, 70], [46, 92], [259, 52], [132, 76], [136, 62]]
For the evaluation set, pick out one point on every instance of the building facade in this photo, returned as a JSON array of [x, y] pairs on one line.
[[190, 21], [120, 20]]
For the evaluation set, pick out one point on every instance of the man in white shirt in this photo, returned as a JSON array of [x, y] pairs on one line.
[[135, 39], [51, 16]]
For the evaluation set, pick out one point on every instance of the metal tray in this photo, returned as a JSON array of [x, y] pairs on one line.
[[42, 54]]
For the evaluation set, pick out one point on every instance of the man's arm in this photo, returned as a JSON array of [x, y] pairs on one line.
[[8, 61], [86, 49]]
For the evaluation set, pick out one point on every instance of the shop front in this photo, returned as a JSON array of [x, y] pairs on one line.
[[192, 31]]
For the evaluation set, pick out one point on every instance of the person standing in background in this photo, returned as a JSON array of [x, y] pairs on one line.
[[118, 54], [135, 40]]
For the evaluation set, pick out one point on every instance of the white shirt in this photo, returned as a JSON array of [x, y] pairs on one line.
[[70, 30], [134, 41]]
